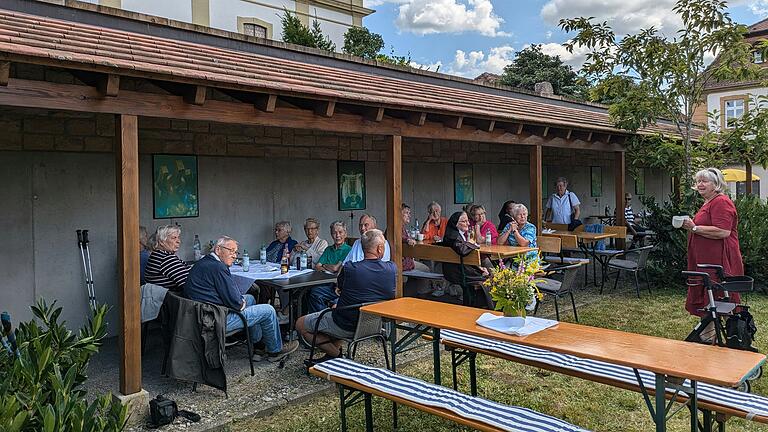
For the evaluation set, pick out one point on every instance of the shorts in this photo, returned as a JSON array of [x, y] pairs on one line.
[[327, 326]]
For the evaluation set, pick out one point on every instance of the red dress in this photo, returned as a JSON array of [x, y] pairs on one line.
[[719, 212]]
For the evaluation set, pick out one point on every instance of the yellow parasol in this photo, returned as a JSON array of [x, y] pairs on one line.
[[737, 175]]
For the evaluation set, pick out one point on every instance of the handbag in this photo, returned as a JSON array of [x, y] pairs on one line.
[[163, 411], [574, 222]]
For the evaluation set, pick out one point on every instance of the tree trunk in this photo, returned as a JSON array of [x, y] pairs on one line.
[[676, 188], [748, 189]]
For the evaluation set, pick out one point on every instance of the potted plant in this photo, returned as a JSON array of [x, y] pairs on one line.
[[514, 289]]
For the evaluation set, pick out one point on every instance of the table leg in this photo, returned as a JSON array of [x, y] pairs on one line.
[[436, 353], [693, 403], [393, 350], [661, 411]]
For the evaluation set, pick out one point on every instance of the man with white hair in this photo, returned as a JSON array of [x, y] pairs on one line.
[[563, 206], [367, 280], [367, 223], [210, 281]]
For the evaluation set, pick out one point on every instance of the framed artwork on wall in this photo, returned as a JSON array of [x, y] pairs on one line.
[[640, 182], [174, 186], [351, 185], [596, 181], [463, 184]]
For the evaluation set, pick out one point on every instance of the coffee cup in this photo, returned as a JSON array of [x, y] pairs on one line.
[[677, 221], [420, 237]]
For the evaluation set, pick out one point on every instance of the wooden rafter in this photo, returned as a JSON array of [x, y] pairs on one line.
[[568, 134], [546, 131], [376, 114], [266, 103], [109, 85], [455, 123], [418, 119], [520, 129], [47, 95], [196, 95], [326, 108], [5, 72]]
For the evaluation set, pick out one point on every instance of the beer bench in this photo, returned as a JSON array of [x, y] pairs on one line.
[[442, 254], [356, 381], [724, 402]]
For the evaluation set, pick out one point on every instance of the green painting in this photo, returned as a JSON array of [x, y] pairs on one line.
[[351, 185], [640, 182], [596, 181], [463, 184], [174, 186]]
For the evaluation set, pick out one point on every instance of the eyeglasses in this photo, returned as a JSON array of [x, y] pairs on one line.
[[231, 251]]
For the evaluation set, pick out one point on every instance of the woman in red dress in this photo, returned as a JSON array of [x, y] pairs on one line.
[[712, 237]]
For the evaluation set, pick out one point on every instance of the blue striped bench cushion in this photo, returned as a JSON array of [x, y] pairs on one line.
[[752, 405], [504, 417]]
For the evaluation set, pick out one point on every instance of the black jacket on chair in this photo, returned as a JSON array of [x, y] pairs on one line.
[[453, 272], [195, 335]]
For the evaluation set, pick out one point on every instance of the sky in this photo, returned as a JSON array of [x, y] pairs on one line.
[[469, 37]]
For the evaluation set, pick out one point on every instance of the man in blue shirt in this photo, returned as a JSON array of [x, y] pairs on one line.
[[563, 206], [210, 281], [369, 280]]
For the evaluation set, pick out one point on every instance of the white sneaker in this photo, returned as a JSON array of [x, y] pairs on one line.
[[282, 318], [438, 292]]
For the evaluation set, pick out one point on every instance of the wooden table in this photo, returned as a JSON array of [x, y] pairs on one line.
[[584, 239], [582, 236], [666, 358], [502, 251]]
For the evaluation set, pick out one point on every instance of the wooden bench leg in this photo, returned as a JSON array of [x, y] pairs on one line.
[[368, 413]]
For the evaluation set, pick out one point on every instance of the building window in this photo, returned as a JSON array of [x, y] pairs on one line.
[[758, 57], [734, 109], [256, 30]]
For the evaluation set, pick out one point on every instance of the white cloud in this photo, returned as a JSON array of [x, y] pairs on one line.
[[759, 7], [624, 16], [575, 59], [445, 16], [474, 63]]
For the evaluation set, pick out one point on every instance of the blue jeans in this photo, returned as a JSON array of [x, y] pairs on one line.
[[320, 295], [262, 324]]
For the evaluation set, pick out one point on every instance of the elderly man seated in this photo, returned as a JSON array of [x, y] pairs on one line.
[[313, 246], [282, 241], [367, 223], [368, 280], [330, 261], [210, 281]]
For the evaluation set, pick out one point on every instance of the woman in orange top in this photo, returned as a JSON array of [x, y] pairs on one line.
[[434, 227]]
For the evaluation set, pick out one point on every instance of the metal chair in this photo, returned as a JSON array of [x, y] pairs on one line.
[[369, 326], [635, 262], [557, 288]]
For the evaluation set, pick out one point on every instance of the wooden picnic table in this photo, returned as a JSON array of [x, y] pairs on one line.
[[421, 248], [666, 358], [582, 236]]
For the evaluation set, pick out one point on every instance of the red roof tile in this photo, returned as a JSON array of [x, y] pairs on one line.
[[24, 36]]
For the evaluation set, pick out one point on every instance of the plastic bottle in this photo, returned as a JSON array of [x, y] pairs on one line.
[[303, 261], [263, 254], [284, 262], [246, 261], [471, 235], [488, 237], [197, 248], [416, 226]]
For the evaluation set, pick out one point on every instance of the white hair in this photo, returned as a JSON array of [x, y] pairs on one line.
[[371, 239], [340, 224], [221, 241], [164, 232], [517, 209], [713, 175], [284, 224]]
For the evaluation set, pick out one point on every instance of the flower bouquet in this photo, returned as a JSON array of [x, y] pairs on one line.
[[514, 289]]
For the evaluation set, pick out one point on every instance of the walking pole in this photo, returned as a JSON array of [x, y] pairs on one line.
[[91, 289], [82, 257]]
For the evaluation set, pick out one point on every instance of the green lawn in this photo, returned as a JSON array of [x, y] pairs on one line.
[[590, 405]]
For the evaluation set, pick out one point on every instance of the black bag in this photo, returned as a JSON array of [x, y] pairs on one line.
[[164, 411], [740, 330], [574, 222]]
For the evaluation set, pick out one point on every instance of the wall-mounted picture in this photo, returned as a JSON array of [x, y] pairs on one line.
[[351, 185], [596, 181], [640, 182], [174, 186], [463, 184]]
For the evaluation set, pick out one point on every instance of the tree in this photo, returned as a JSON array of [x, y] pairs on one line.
[[295, 32], [668, 73], [361, 42], [746, 138], [531, 66]]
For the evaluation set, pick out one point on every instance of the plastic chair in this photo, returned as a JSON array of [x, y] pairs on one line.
[[557, 288], [369, 326], [635, 262]]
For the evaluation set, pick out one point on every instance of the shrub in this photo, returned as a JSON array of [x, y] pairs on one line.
[[753, 236], [41, 388]]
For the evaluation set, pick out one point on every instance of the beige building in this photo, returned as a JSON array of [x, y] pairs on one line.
[[259, 18], [728, 100]]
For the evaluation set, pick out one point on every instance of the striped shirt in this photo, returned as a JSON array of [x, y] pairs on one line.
[[629, 216], [167, 270]]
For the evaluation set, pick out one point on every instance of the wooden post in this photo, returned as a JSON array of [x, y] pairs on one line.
[[536, 214], [748, 184], [394, 202], [619, 171], [127, 173]]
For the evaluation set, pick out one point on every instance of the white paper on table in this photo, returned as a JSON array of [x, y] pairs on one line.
[[292, 273], [505, 325], [547, 231]]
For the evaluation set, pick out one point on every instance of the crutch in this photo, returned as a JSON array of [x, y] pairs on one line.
[[85, 254]]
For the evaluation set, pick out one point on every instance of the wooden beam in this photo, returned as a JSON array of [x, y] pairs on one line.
[[568, 134], [491, 126], [589, 137], [520, 128], [196, 95], [326, 109], [394, 202], [127, 177], [266, 103], [536, 173], [619, 170], [607, 138], [376, 114], [5, 72], [418, 119], [546, 131], [109, 85], [79, 98], [455, 123]]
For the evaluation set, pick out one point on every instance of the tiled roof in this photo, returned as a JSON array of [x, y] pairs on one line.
[[33, 38]]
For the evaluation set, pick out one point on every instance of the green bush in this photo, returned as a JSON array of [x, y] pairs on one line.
[[669, 257], [41, 388]]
